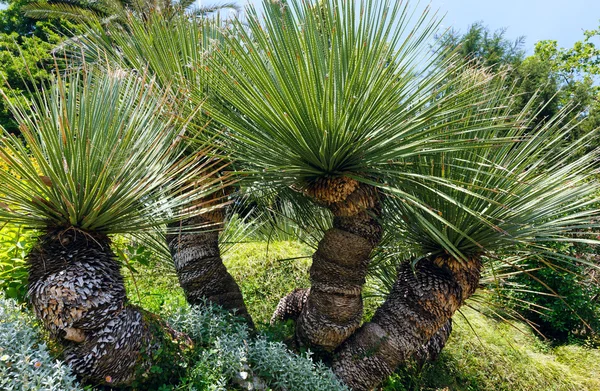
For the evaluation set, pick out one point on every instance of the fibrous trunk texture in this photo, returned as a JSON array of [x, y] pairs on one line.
[[431, 350], [290, 307], [199, 266], [332, 309], [77, 291], [422, 301]]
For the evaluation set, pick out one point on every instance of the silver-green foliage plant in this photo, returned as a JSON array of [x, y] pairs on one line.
[[25, 361], [228, 355]]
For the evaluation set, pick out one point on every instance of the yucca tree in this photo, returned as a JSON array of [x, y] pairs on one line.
[[173, 48], [330, 100], [103, 154], [485, 204]]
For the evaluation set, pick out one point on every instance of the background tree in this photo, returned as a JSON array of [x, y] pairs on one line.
[[577, 70], [490, 49], [25, 53], [115, 11]]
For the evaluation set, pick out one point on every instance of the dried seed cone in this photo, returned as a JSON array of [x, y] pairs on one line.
[[344, 196]]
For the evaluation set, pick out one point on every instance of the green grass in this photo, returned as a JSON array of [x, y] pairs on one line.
[[268, 272], [154, 288], [497, 356], [484, 354]]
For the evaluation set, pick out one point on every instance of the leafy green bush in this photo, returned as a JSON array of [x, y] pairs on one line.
[[564, 298], [25, 361], [15, 243]]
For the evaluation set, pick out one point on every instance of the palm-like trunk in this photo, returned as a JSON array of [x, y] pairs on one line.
[[420, 304], [332, 309], [199, 266], [78, 293], [431, 350]]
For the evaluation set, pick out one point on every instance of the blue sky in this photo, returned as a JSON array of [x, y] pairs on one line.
[[561, 20]]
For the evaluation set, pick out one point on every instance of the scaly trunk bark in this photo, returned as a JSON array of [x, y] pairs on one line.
[[290, 307], [77, 291], [420, 304], [332, 309], [199, 266], [431, 350]]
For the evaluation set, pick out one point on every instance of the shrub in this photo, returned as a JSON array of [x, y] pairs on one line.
[[227, 354], [567, 304], [27, 364], [15, 243]]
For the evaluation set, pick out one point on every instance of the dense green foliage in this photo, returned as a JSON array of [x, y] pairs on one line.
[[563, 300], [15, 243], [26, 59]]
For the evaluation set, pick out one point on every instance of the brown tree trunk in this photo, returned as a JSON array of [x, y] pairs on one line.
[[431, 350], [332, 309], [77, 291], [291, 306], [199, 266], [421, 302]]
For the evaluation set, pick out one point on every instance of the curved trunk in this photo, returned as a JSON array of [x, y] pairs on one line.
[[421, 303], [431, 350], [77, 291], [332, 309], [199, 266], [290, 307]]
